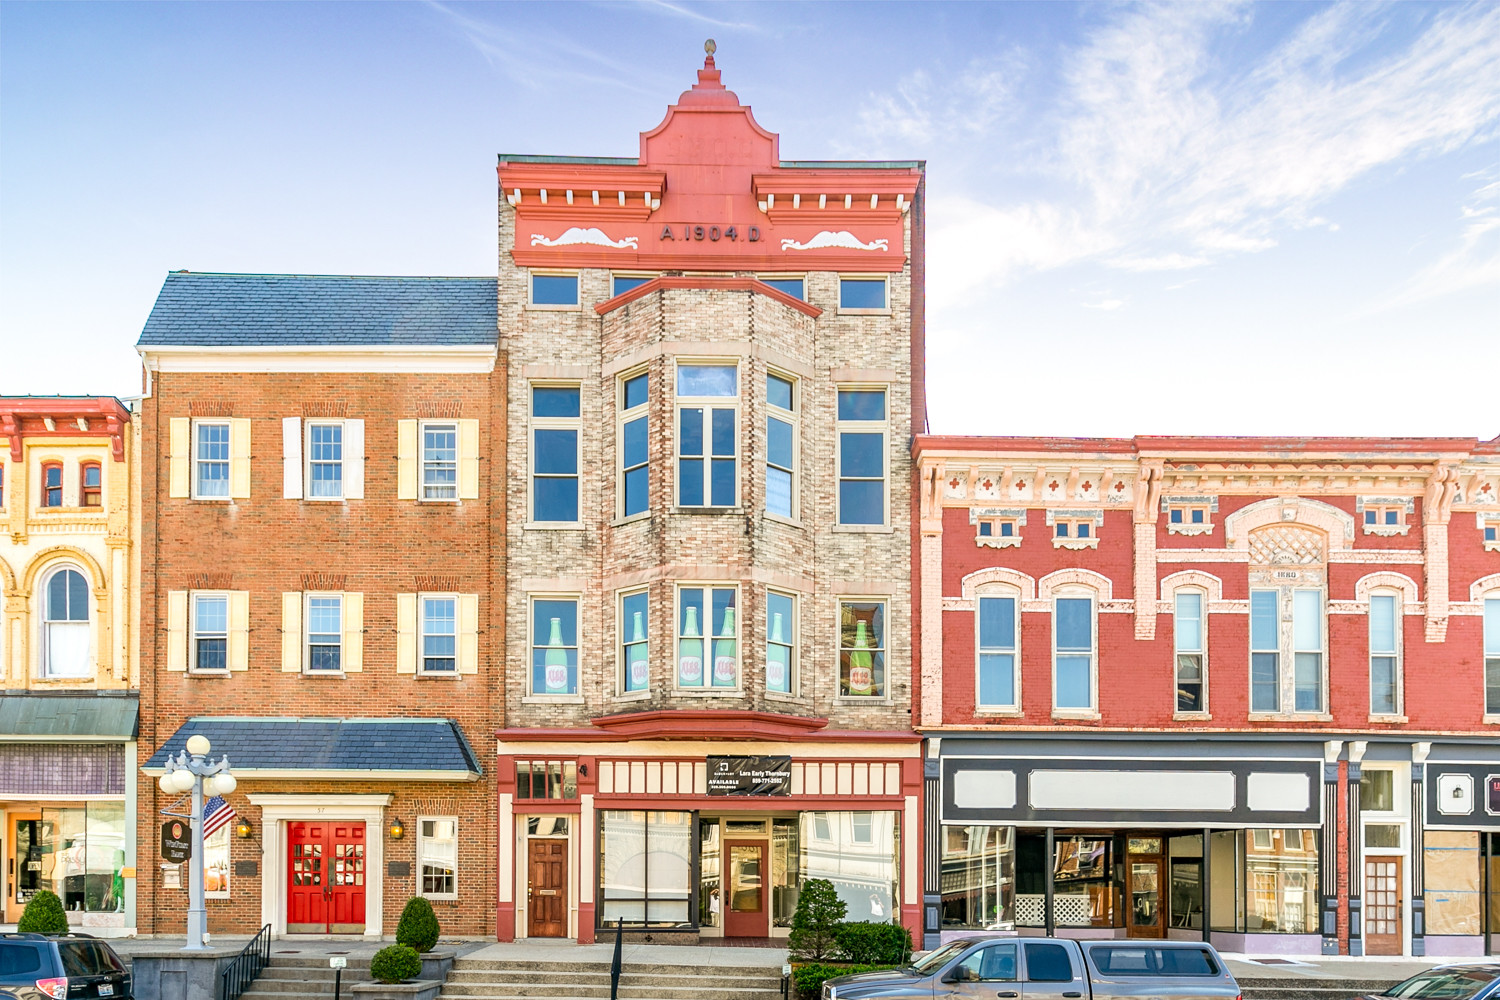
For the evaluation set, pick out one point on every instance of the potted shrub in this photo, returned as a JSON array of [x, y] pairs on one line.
[[419, 930], [395, 964], [44, 914]]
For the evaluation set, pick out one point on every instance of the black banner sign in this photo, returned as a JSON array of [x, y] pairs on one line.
[[749, 775], [176, 841]]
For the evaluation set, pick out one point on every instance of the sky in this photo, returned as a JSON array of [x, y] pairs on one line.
[[1194, 218]]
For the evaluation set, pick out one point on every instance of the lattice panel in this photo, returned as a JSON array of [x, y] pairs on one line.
[[1071, 910], [1287, 545]]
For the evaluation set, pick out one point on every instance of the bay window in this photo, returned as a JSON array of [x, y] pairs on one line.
[[707, 638], [634, 663], [781, 642], [781, 445], [707, 445], [634, 480]]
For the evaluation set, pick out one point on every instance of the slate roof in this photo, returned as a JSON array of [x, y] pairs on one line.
[[299, 310], [68, 716], [287, 744]]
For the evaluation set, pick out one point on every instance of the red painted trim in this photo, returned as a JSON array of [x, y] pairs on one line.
[[1349, 448], [23, 417], [533, 806], [710, 282], [709, 722], [582, 179], [747, 803], [538, 735]]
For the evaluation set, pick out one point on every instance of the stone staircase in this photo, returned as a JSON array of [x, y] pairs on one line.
[[304, 978], [478, 979], [1298, 988]]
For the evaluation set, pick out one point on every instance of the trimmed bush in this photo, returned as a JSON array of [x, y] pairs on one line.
[[808, 979], [395, 964], [44, 915], [418, 928], [818, 915], [874, 944]]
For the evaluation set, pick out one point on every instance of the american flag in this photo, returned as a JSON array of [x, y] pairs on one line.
[[216, 814]]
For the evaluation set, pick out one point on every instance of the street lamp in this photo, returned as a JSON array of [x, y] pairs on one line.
[[193, 771]]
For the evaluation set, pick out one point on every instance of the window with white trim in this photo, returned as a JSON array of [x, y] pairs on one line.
[[325, 633], [325, 459], [781, 445], [210, 645], [65, 624], [437, 857], [707, 637], [1265, 651], [707, 435], [210, 459], [634, 485], [1384, 515], [1492, 655], [635, 616], [862, 647], [1286, 626], [781, 642], [998, 647], [1073, 652], [861, 428], [554, 645], [1191, 648], [1385, 654], [439, 624], [556, 427], [865, 293], [1307, 650], [439, 461]]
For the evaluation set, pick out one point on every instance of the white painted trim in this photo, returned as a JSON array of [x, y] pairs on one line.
[[405, 359]]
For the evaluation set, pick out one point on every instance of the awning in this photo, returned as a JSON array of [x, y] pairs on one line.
[[393, 749], [91, 717]]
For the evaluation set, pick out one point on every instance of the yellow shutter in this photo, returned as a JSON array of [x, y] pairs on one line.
[[178, 446], [354, 633], [468, 633], [291, 632], [177, 627], [468, 460], [406, 633], [239, 458], [407, 459], [239, 629]]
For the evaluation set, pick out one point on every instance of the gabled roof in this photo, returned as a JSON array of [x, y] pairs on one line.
[[320, 310], [350, 747]]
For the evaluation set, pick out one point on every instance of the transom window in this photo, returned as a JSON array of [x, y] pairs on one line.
[[325, 633], [555, 429], [635, 471], [707, 637], [325, 460], [437, 857], [210, 645], [1073, 653], [52, 491], [554, 645], [439, 634], [1188, 638], [781, 445], [634, 648], [65, 625], [554, 290], [90, 487], [862, 672], [439, 461], [1286, 625], [707, 416], [861, 456], [546, 779], [781, 642], [997, 652], [211, 460]]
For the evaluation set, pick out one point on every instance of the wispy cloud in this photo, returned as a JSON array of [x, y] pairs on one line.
[[922, 110], [1473, 263], [686, 11]]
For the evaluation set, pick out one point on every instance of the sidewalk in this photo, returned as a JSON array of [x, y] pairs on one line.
[[1333, 967]]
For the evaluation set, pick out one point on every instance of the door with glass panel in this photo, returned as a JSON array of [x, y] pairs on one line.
[[745, 913], [1145, 865], [23, 862], [1383, 906], [325, 878]]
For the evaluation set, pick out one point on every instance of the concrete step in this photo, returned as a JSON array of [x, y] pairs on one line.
[[684, 990], [541, 980]]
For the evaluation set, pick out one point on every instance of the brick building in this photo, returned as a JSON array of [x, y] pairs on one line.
[[322, 515], [714, 370], [1237, 688], [68, 713]]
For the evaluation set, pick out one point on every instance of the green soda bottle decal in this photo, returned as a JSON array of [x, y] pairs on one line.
[[726, 664], [690, 652], [861, 676], [776, 665], [555, 661], [636, 678]]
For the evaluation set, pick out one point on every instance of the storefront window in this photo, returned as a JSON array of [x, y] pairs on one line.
[[1451, 872], [216, 864], [1185, 904], [1265, 881], [646, 867], [978, 877], [864, 872], [77, 852], [710, 896], [786, 873]]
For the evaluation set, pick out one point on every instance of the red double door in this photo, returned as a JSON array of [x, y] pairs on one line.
[[325, 878]]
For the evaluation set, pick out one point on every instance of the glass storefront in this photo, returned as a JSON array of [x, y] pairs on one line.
[[858, 852], [978, 879], [1264, 881], [646, 864], [77, 851]]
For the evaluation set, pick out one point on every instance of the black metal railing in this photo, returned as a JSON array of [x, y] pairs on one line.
[[247, 965]]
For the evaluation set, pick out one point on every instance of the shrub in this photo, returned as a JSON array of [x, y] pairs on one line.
[[808, 979], [395, 964], [874, 944], [418, 928], [819, 912], [44, 915]]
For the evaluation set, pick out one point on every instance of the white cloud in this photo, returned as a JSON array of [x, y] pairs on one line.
[[1473, 263], [1106, 305]]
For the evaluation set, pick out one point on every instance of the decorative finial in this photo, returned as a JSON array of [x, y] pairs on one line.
[[710, 47]]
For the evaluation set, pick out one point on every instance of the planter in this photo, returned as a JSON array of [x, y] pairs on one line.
[[412, 989], [437, 963]]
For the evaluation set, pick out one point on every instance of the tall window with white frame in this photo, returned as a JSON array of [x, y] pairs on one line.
[[634, 645], [439, 461], [1492, 655], [437, 856], [1272, 643], [634, 485], [211, 462], [861, 430], [1385, 655], [862, 647], [554, 645], [210, 632], [439, 634], [997, 652], [65, 625], [1073, 653], [707, 440], [1191, 648], [556, 422], [781, 445], [1265, 651], [707, 637], [325, 633], [781, 642], [1307, 641], [325, 460]]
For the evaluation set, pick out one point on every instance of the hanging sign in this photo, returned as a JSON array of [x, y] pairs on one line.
[[176, 841], [749, 775]]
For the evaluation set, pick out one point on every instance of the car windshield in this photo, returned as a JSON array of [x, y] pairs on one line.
[[937, 959], [1444, 984]]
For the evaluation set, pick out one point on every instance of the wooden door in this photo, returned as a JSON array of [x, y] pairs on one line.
[[325, 878], [1383, 906], [23, 862], [1146, 916], [547, 895], [745, 914]]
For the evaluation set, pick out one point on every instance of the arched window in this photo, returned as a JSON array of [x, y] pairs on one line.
[[65, 624]]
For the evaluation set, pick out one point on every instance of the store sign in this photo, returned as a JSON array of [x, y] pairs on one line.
[[176, 841], [1492, 785], [749, 775]]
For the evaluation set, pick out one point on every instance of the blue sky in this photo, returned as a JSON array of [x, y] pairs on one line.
[[1196, 218]]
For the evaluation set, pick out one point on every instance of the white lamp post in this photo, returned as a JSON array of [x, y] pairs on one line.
[[193, 771]]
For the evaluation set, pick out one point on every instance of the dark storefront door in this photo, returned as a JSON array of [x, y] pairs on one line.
[[1382, 906], [1145, 913], [745, 916], [325, 878], [547, 896], [23, 869]]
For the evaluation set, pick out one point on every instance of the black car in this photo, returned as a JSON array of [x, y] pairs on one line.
[[1477, 981], [61, 967]]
